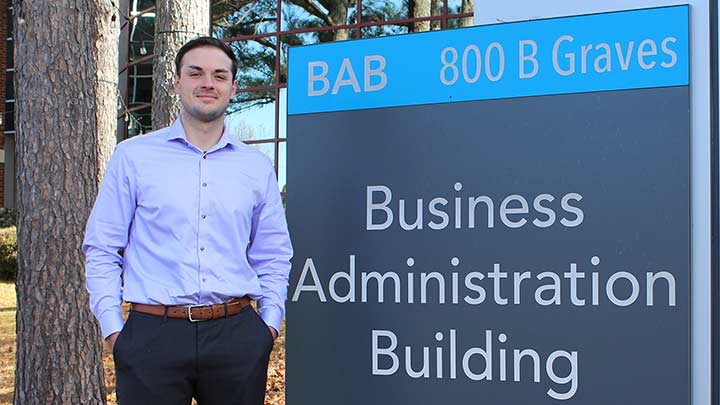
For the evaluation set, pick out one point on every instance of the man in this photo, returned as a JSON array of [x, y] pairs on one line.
[[199, 217]]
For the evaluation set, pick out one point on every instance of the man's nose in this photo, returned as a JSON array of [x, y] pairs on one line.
[[208, 82]]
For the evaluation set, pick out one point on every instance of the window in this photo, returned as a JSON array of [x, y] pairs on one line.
[[260, 33]]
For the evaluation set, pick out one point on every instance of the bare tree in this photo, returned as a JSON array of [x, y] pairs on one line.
[[66, 91], [176, 22]]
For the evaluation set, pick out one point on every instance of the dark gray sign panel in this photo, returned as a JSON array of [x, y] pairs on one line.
[[512, 248]]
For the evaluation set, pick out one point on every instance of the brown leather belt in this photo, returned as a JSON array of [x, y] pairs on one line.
[[195, 313]]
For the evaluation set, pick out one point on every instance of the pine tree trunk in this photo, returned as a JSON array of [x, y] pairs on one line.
[[436, 8], [467, 6], [337, 15], [66, 91], [421, 9], [176, 22]]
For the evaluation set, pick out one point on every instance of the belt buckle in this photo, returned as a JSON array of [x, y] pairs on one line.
[[190, 318]]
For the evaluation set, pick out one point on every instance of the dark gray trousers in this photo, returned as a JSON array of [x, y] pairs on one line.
[[169, 361]]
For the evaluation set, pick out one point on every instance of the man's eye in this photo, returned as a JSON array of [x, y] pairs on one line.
[[219, 77]]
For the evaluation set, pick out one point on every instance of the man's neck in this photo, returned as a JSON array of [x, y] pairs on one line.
[[204, 135]]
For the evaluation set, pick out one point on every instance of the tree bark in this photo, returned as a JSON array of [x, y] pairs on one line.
[[422, 8], [176, 22], [337, 15], [66, 92], [436, 7], [467, 6]]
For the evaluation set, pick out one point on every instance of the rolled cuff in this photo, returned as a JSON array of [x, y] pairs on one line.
[[111, 322], [272, 317]]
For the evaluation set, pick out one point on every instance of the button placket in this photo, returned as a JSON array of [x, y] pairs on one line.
[[202, 227]]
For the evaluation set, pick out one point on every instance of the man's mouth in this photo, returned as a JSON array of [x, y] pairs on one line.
[[207, 96]]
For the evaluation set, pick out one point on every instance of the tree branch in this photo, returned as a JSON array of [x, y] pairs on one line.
[[312, 8]]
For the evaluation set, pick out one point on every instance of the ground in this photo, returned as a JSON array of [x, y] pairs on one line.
[[276, 371]]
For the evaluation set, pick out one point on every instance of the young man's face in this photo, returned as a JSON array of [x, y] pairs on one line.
[[205, 83]]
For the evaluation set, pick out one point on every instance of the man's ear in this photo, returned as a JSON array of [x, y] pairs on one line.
[[234, 89], [176, 82]]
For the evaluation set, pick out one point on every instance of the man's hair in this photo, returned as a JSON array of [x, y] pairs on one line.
[[206, 41]]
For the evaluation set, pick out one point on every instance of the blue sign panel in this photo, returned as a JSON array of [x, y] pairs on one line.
[[623, 50]]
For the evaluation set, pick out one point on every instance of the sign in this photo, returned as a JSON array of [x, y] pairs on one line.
[[495, 214]]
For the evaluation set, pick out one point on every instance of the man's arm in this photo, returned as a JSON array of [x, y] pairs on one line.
[[270, 253], [105, 235]]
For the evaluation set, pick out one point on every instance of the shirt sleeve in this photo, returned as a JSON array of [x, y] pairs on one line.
[[105, 235], [270, 252]]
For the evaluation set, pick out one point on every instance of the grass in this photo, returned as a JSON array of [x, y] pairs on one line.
[[276, 370], [7, 342]]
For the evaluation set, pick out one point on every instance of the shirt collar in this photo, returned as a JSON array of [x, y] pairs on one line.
[[177, 131]]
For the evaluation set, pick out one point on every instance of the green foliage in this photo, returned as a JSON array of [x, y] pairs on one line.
[[8, 253]]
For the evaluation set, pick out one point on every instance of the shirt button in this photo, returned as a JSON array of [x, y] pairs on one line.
[[202, 249], [204, 184], [204, 216], [204, 156], [204, 280]]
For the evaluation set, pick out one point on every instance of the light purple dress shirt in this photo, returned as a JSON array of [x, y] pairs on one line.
[[197, 228]]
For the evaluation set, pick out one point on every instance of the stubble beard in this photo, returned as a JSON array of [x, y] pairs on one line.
[[206, 116]]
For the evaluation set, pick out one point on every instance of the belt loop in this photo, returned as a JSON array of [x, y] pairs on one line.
[[226, 309], [165, 314]]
